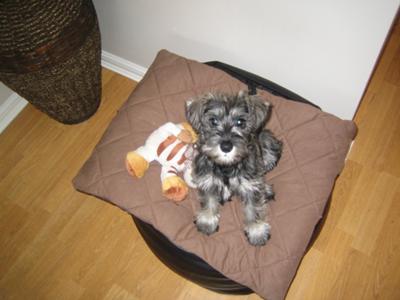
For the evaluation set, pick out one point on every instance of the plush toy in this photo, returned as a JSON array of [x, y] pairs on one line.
[[171, 146]]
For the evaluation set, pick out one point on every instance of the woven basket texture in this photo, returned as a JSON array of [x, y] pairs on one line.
[[50, 54]]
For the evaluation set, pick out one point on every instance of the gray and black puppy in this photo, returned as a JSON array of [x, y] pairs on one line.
[[235, 151]]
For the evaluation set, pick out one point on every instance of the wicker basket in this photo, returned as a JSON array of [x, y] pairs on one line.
[[50, 54]]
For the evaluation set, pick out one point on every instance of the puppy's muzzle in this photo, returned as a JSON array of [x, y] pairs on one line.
[[226, 146]]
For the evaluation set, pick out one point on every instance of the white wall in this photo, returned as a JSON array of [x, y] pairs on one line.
[[5, 93], [11, 105], [324, 50]]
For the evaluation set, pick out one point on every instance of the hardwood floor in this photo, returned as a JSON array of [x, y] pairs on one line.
[[56, 243]]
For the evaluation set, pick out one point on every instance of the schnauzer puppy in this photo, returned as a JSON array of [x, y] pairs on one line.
[[235, 151]]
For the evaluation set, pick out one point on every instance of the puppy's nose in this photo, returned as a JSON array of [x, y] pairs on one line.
[[226, 146]]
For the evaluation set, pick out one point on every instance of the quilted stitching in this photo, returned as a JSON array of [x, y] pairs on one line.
[[303, 182]]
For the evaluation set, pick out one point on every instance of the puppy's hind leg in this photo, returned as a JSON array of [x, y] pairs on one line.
[[257, 230], [207, 218], [271, 149]]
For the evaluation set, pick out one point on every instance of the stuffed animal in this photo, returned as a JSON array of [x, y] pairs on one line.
[[171, 146]]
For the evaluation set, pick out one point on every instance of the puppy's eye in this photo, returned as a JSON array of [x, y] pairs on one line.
[[240, 122], [213, 121]]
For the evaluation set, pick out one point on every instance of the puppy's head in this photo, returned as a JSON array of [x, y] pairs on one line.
[[227, 124]]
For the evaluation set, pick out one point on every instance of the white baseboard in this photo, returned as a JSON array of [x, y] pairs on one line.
[[122, 66], [15, 103], [10, 109]]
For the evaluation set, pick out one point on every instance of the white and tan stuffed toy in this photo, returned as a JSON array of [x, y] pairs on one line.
[[170, 145]]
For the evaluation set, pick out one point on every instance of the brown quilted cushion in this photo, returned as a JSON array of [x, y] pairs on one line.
[[315, 146]]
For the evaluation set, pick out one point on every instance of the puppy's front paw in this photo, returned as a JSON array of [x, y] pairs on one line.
[[207, 222], [258, 233]]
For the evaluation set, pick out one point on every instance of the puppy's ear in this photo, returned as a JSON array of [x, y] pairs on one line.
[[260, 109], [196, 107], [193, 111]]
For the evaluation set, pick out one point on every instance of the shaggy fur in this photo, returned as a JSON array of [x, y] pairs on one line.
[[235, 151]]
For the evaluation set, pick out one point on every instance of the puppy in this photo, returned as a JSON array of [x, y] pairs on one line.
[[235, 151]]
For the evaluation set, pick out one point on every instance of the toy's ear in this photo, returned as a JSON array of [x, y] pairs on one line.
[[194, 112]]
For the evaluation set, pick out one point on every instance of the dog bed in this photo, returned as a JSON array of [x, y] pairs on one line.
[[315, 146]]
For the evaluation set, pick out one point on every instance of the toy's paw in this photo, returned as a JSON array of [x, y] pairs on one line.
[[136, 164], [174, 188], [185, 136]]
